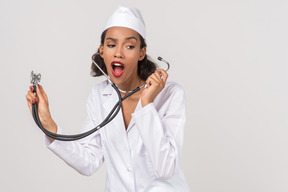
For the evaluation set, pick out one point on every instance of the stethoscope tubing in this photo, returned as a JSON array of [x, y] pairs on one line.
[[115, 110]]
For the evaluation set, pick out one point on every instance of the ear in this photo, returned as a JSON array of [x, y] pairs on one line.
[[101, 50], [142, 54]]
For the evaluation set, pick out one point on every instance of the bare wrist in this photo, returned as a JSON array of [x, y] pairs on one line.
[[144, 103], [50, 125]]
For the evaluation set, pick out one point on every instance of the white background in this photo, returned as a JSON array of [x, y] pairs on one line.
[[230, 57]]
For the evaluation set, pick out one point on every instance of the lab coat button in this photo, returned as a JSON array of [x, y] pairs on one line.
[[129, 169]]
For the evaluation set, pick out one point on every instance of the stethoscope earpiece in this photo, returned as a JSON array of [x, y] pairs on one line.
[[168, 65]]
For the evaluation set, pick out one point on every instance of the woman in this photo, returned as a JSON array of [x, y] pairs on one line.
[[142, 145]]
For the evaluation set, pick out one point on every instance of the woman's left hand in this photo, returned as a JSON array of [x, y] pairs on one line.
[[155, 84]]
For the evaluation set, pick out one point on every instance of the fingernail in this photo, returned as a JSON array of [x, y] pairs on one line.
[[31, 88], [33, 101], [38, 86], [36, 100]]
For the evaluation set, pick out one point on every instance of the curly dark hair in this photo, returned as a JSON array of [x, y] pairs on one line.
[[145, 67]]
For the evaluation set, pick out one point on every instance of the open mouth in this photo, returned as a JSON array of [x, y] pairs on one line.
[[117, 68]]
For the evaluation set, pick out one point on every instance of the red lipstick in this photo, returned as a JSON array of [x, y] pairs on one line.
[[117, 68]]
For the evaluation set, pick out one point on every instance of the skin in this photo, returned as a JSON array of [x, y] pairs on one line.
[[121, 44]]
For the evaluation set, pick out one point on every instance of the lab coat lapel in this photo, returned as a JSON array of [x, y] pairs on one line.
[[112, 99], [132, 121]]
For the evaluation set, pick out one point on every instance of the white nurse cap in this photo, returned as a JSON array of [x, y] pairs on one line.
[[127, 17]]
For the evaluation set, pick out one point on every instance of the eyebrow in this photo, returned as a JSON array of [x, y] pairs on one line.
[[115, 40]]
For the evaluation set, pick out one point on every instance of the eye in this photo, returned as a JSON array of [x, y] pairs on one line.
[[110, 45], [130, 46]]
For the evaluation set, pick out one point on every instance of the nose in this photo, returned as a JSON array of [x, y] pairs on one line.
[[118, 53]]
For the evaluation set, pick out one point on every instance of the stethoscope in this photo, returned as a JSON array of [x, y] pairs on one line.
[[35, 79]]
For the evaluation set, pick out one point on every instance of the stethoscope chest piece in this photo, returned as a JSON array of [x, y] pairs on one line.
[[35, 78]]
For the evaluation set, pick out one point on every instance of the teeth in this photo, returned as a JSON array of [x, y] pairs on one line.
[[117, 64]]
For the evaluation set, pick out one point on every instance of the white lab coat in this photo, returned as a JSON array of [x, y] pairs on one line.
[[146, 156]]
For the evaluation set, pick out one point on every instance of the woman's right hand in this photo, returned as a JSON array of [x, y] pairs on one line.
[[41, 99]]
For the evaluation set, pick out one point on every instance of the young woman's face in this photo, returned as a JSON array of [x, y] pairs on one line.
[[121, 53]]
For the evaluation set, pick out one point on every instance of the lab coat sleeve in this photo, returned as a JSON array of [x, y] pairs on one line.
[[162, 133], [85, 155]]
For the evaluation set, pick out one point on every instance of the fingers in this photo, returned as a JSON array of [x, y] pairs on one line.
[[31, 97], [152, 80], [39, 92], [42, 91], [155, 84], [29, 100], [158, 78], [163, 74]]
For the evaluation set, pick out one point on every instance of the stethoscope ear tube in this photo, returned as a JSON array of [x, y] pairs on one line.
[[61, 137]]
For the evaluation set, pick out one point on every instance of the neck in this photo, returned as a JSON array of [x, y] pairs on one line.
[[130, 85]]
